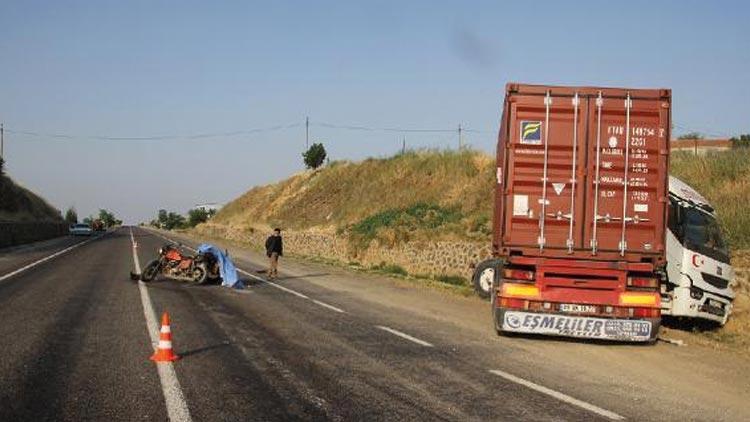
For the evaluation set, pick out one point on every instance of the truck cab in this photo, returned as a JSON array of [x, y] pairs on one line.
[[699, 274]]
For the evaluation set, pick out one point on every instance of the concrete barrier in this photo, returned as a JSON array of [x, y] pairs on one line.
[[14, 233]]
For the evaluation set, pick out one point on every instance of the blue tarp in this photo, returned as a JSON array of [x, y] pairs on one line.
[[226, 266]]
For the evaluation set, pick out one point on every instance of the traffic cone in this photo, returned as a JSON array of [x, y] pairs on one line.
[[164, 351]]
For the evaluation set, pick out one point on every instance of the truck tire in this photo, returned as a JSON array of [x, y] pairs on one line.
[[484, 276]]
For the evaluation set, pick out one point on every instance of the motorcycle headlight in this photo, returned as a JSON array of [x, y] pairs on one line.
[[160, 251]]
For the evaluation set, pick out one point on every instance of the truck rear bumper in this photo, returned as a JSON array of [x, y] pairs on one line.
[[553, 324]]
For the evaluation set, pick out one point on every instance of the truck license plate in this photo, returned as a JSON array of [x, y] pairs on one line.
[[575, 308]]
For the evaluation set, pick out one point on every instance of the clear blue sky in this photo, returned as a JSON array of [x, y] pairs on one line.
[[144, 69]]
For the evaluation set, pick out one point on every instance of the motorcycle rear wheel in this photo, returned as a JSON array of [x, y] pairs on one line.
[[200, 275]]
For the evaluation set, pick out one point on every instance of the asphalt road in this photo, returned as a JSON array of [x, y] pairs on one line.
[[319, 344]]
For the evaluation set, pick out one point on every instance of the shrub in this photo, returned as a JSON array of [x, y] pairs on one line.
[[390, 269], [314, 156], [742, 141], [197, 216], [403, 220], [452, 279]]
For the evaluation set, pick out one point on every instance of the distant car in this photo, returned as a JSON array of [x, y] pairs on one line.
[[80, 230]]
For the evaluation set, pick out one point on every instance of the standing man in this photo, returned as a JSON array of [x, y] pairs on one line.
[[274, 249]]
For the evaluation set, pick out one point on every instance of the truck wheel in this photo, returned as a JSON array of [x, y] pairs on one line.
[[484, 277]]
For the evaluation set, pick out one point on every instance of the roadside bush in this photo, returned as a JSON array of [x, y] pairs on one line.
[[742, 141], [452, 279], [402, 221], [197, 216], [390, 269]]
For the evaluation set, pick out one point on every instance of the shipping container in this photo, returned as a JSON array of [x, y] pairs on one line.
[[583, 173], [581, 203]]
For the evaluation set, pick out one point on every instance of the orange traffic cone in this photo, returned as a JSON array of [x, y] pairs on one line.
[[164, 351]]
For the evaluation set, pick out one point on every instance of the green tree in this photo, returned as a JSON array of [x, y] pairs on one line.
[[161, 218], [691, 135], [2, 166], [742, 141], [314, 156], [175, 221], [71, 216], [197, 216], [88, 220], [107, 218]]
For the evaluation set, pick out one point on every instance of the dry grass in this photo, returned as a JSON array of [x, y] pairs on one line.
[[18, 204], [344, 194]]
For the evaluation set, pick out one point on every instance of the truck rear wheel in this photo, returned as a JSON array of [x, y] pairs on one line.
[[484, 276]]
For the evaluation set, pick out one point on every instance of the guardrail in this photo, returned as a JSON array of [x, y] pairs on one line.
[[16, 233]]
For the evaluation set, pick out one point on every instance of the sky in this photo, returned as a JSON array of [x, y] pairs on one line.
[[141, 105]]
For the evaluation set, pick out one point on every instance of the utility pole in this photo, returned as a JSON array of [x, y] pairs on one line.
[[307, 133], [2, 140], [403, 146], [460, 141]]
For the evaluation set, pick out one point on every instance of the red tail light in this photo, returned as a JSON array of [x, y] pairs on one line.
[[513, 303], [646, 312], [643, 282], [518, 274]]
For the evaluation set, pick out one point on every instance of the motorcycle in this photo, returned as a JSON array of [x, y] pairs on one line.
[[175, 265]]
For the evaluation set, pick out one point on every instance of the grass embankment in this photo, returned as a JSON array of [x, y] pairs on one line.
[[18, 204], [423, 195]]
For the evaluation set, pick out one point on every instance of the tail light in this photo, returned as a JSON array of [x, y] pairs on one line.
[[506, 302], [520, 290], [640, 299], [513, 274], [646, 312], [643, 282]]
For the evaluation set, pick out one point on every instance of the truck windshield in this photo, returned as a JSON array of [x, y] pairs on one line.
[[703, 234]]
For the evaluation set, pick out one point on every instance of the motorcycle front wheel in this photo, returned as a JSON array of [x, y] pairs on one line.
[[151, 271]]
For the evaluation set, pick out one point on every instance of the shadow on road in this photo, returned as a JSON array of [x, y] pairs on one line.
[[204, 349]]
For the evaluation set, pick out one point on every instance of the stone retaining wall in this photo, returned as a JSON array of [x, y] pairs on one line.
[[12, 233], [452, 258]]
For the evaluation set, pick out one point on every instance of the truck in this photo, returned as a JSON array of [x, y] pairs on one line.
[[697, 285], [699, 276], [580, 212]]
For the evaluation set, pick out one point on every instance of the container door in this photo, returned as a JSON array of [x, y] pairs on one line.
[[628, 152], [546, 165]]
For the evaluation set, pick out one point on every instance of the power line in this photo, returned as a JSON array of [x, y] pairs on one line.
[[155, 138], [307, 124]]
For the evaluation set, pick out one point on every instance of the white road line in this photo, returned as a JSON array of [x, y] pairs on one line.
[[278, 286], [177, 409], [331, 307], [45, 259], [404, 335], [560, 396]]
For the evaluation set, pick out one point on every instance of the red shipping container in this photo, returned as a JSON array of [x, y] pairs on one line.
[[582, 173]]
